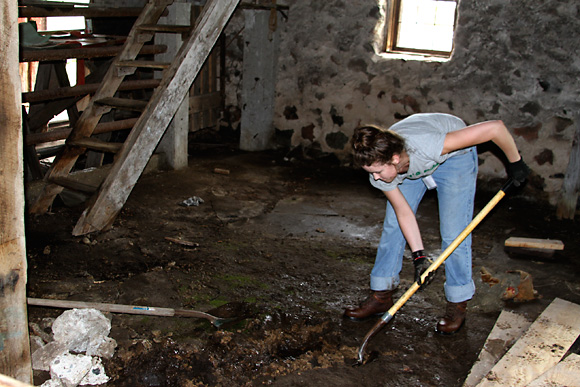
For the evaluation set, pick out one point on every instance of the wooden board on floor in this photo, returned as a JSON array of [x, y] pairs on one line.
[[508, 328], [540, 348], [534, 243], [565, 373]]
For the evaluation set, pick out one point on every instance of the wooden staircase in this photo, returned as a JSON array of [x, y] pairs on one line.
[[156, 114]]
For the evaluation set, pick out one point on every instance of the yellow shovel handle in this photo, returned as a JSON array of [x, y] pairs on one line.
[[446, 253]]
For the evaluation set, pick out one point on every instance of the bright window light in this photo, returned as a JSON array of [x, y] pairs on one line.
[[424, 25]]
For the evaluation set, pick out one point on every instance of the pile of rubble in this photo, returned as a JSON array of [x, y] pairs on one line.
[[72, 354]]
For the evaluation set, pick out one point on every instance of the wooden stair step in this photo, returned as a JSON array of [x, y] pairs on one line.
[[74, 185], [103, 101], [96, 144], [165, 28], [149, 64], [123, 103]]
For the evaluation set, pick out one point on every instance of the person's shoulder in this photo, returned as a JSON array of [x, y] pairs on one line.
[[441, 121]]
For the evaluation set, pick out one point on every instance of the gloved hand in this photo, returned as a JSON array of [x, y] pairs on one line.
[[422, 263], [518, 171]]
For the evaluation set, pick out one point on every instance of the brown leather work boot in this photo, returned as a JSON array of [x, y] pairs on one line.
[[453, 319], [376, 304]]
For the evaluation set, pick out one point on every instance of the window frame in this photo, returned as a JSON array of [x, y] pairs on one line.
[[392, 32]]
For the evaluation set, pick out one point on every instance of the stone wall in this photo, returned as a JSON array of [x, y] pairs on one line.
[[517, 61]]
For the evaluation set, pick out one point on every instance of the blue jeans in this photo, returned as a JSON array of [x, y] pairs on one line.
[[455, 179]]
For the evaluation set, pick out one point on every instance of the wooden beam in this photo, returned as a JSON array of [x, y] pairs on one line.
[[57, 54], [148, 64], [534, 243], [540, 348], [97, 145], [123, 103], [6, 381], [88, 12], [152, 124], [81, 90], [61, 134], [14, 342], [74, 185], [199, 103]]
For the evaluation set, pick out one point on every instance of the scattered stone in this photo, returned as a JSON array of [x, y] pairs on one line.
[[192, 201], [44, 356], [70, 369], [38, 331], [36, 343], [77, 327], [102, 346], [96, 374]]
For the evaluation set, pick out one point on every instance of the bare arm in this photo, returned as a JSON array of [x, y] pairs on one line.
[[494, 131], [406, 219]]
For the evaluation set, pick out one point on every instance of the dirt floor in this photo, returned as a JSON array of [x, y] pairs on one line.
[[281, 245]]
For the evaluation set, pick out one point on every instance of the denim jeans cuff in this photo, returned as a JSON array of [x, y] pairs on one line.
[[459, 293], [384, 283]]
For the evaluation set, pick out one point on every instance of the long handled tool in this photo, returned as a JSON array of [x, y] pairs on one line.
[[434, 266], [129, 309]]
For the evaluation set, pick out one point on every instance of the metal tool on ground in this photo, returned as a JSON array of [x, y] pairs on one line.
[[434, 266], [129, 309]]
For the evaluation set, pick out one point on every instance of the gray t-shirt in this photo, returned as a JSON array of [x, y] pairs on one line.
[[424, 135]]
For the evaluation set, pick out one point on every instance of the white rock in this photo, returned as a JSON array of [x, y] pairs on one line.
[[77, 327], [43, 357], [52, 383], [102, 346], [96, 375], [70, 369]]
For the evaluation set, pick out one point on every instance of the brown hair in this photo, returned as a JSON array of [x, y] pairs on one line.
[[373, 144]]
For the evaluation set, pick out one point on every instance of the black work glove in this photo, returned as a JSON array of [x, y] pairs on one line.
[[422, 263], [518, 171]]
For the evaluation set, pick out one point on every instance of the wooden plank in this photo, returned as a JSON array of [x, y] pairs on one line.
[[540, 348], [166, 28], [30, 55], [61, 134], [7, 381], [565, 373], [73, 184], [123, 103], [88, 12], [82, 90], [534, 243], [144, 64], [204, 102], [96, 144], [14, 343], [508, 328], [152, 124]]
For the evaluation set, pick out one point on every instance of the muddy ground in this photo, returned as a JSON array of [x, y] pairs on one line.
[[281, 245]]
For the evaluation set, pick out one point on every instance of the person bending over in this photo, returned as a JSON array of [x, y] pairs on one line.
[[434, 150]]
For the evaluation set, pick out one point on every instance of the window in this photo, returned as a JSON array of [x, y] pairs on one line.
[[421, 26]]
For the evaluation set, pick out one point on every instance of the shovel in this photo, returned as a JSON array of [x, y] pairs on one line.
[[434, 266], [129, 309]]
